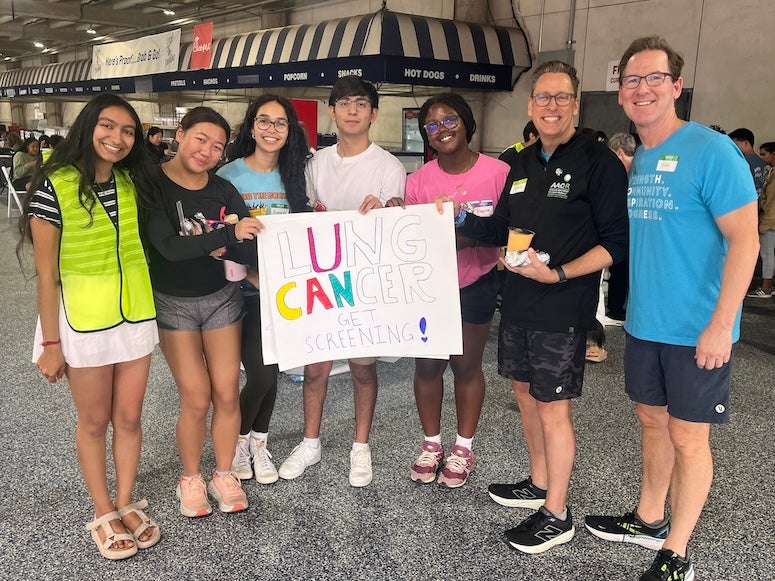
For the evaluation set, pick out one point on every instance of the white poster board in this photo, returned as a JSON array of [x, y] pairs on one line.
[[336, 285]]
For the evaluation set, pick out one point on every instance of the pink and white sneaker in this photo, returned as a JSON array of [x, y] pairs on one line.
[[427, 464], [457, 467]]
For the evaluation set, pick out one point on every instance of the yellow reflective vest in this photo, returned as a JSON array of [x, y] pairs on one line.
[[102, 268]]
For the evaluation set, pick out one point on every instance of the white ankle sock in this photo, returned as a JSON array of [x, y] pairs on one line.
[[259, 436], [464, 442], [435, 439], [222, 473], [312, 442], [359, 446]]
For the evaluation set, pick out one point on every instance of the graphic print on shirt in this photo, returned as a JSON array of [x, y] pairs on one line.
[[266, 203], [647, 197], [561, 187]]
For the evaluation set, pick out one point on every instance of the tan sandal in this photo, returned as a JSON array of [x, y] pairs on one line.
[[145, 524], [111, 537]]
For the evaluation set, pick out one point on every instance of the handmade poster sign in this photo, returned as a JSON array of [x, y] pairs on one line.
[[336, 285]]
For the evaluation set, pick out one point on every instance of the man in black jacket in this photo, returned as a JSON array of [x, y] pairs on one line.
[[571, 191]]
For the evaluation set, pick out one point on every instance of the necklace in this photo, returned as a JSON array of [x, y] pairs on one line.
[[458, 188], [469, 165], [108, 183]]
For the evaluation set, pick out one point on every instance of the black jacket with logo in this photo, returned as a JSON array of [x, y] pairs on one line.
[[573, 202]]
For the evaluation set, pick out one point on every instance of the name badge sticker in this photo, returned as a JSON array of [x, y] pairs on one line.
[[482, 208], [667, 163], [518, 186]]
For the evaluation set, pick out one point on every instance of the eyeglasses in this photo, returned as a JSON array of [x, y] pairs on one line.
[[561, 99], [433, 127], [360, 104], [280, 125], [652, 80]]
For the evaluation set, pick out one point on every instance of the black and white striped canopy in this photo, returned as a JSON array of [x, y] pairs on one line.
[[383, 33], [384, 47], [67, 72]]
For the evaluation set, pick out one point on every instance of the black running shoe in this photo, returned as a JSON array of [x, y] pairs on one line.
[[520, 495], [540, 532], [668, 566], [627, 529]]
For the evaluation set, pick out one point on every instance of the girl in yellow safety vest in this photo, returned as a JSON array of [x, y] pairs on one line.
[[96, 322]]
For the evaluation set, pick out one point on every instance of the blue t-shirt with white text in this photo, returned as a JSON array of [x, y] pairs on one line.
[[677, 190]]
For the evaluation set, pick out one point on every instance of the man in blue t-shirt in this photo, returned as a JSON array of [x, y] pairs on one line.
[[693, 248]]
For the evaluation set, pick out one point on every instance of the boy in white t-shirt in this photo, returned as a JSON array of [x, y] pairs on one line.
[[355, 174]]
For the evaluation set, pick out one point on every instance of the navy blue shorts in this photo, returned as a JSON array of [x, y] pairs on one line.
[[478, 299], [659, 374], [552, 363]]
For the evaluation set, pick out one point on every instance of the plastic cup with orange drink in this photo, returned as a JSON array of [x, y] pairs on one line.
[[519, 239]]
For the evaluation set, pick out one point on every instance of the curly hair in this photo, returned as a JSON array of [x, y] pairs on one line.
[[293, 155]]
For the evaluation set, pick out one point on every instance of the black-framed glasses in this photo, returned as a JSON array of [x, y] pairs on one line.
[[652, 80], [433, 127], [360, 104], [264, 123], [561, 99]]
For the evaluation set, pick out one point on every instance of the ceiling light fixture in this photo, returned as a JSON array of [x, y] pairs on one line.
[[168, 12], [38, 44], [91, 30]]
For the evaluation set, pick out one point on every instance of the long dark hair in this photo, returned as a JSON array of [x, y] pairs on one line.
[[77, 150], [293, 155]]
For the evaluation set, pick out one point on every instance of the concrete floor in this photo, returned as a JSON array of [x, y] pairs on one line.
[[318, 527]]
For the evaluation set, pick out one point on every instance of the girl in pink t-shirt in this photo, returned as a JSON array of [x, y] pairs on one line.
[[447, 125]]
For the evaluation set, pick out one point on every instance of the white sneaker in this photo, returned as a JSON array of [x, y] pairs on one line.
[[609, 322], [263, 467], [360, 467], [301, 457], [240, 466]]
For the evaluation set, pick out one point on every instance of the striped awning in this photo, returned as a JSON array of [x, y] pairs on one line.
[[67, 72], [384, 47], [385, 34]]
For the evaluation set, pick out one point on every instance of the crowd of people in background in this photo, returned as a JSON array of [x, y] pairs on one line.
[[165, 257]]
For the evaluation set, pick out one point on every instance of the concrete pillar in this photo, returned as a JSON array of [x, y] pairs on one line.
[[54, 113], [17, 114], [471, 11], [474, 11], [274, 20]]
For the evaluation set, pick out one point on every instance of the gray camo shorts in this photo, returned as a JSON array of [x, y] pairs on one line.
[[552, 363]]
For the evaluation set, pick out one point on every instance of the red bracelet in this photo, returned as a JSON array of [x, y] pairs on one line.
[[47, 343]]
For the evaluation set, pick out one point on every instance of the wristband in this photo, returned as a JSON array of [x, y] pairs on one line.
[[49, 343], [461, 217], [561, 274]]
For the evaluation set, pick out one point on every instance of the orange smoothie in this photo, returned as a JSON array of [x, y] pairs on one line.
[[519, 239]]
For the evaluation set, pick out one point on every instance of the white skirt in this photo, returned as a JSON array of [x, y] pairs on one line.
[[126, 342]]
